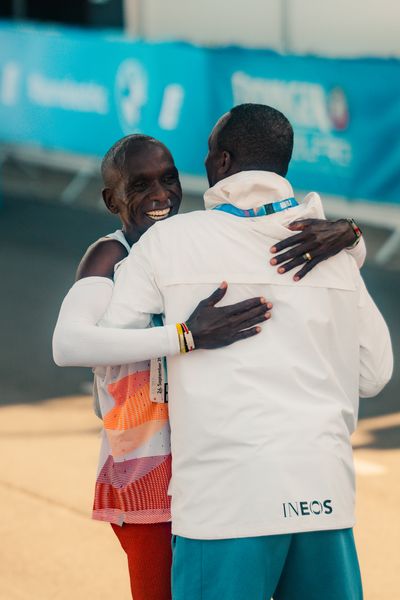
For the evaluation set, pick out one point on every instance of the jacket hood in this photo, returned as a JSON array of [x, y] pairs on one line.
[[252, 189], [248, 189]]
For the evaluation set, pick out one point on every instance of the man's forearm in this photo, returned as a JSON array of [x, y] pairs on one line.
[[79, 341]]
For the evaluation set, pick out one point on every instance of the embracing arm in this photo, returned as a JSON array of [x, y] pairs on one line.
[[319, 238], [136, 297], [79, 341]]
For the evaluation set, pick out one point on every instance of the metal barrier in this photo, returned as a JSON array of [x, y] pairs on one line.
[[81, 167]]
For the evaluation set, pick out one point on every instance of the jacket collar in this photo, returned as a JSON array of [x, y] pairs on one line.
[[248, 189]]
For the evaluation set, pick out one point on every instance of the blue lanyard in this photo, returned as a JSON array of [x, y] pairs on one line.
[[260, 211]]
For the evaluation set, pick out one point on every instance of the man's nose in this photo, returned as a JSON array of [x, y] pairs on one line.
[[159, 193]]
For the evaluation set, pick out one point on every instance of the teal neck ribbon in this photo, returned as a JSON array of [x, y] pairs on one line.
[[260, 211]]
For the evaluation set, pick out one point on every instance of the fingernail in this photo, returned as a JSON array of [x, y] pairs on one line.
[[223, 285], [281, 270], [258, 329], [267, 315], [273, 261], [270, 305], [296, 278], [273, 249], [263, 300]]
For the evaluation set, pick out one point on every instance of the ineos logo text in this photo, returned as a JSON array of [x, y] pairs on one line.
[[304, 508]]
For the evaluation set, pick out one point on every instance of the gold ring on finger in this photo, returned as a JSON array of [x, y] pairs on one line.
[[307, 256]]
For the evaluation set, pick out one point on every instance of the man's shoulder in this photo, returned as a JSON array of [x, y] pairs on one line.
[[177, 223], [100, 258], [167, 233], [183, 219]]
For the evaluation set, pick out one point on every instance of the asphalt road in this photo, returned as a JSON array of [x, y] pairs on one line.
[[41, 244]]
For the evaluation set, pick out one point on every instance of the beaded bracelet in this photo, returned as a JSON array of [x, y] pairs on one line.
[[182, 345], [186, 342], [357, 232], [188, 337]]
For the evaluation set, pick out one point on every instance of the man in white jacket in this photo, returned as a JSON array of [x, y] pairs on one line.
[[263, 479]]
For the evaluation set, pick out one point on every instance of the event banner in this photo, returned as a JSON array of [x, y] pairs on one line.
[[79, 91]]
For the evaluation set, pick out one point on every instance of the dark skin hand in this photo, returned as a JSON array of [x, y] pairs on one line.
[[214, 327], [321, 238]]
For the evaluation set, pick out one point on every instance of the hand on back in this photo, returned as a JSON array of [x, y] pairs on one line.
[[215, 327]]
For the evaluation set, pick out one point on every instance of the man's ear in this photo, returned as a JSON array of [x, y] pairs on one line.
[[226, 162], [108, 197]]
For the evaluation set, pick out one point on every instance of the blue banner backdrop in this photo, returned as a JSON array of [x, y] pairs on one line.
[[80, 91]]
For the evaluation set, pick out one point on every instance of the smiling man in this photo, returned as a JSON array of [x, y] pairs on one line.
[[129, 167]]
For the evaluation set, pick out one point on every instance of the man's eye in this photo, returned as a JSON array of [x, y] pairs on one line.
[[139, 185], [170, 178]]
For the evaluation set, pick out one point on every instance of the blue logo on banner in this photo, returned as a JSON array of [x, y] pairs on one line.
[[131, 93]]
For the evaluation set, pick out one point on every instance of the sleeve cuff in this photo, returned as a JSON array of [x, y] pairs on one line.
[[173, 340], [359, 252]]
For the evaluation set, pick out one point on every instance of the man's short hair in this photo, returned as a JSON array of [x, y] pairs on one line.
[[113, 163], [258, 137]]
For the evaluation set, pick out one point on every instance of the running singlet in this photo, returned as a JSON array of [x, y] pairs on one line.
[[135, 458]]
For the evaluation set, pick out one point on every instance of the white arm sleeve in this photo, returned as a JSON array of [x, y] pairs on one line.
[[359, 252], [376, 356], [78, 341]]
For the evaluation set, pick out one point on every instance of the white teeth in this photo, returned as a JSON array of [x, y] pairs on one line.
[[158, 214]]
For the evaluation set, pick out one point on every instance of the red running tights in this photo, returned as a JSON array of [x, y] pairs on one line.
[[148, 548]]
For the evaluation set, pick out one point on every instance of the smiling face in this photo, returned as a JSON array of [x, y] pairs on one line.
[[146, 191]]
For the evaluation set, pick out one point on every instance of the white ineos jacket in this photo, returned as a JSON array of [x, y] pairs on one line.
[[260, 429]]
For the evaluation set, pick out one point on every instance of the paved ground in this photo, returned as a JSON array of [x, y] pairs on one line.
[[49, 437], [51, 550]]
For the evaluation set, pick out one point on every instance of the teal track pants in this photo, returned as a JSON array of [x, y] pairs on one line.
[[318, 565]]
